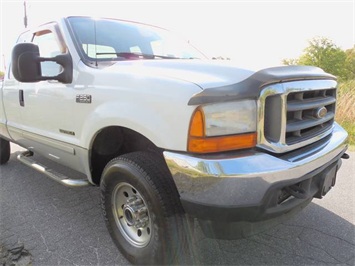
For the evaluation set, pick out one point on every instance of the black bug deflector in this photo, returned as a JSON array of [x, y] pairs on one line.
[[250, 88]]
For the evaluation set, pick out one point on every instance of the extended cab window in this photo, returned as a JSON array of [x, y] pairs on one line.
[[48, 47]]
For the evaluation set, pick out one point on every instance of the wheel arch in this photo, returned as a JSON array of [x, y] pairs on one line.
[[113, 141]]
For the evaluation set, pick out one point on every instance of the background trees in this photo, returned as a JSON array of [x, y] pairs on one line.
[[323, 53]]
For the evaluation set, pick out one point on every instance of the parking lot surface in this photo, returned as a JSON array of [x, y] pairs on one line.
[[64, 226]]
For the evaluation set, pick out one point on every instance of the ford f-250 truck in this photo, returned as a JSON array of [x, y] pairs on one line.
[[169, 137]]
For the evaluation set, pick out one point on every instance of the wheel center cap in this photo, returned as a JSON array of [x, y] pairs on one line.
[[129, 215], [135, 213]]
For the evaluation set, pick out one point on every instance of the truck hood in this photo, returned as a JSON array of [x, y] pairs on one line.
[[219, 82], [203, 73]]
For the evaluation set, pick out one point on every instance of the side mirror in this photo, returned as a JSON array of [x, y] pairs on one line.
[[26, 64]]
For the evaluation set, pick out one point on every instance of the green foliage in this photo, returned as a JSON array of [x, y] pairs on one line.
[[290, 61], [323, 53], [2, 74]]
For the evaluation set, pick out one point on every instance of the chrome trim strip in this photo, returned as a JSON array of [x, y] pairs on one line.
[[283, 119], [49, 142], [283, 89]]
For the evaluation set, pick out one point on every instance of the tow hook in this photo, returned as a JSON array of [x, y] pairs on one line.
[[345, 156], [297, 192]]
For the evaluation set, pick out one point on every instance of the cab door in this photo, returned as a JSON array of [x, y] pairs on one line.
[[11, 99], [47, 107]]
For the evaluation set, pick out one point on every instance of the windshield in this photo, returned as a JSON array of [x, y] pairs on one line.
[[105, 40]]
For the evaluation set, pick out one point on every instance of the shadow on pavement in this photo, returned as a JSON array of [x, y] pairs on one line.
[[314, 236]]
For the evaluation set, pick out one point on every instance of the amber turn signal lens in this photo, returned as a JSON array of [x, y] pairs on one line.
[[197, 125], [220, 144]]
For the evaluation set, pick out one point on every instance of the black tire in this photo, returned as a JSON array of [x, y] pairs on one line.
[[4, 151], [144, 178]]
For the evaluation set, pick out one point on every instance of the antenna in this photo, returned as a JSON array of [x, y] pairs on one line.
[[25, 17]]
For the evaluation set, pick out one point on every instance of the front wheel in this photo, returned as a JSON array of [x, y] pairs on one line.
[[4, 151], [142, 209]]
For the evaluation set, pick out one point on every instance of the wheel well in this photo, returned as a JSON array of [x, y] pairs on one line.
[[114, 141]]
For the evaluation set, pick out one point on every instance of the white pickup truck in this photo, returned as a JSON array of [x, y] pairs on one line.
[[171, 138]]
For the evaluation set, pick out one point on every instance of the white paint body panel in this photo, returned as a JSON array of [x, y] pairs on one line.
[[147, 96]]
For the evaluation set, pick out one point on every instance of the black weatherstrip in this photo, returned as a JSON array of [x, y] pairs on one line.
[[250, 88]]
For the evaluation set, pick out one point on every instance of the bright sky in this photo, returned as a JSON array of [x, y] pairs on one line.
[[254, 34]]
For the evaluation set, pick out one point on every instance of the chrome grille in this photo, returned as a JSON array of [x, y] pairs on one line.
[[295, 114], [303, 120]]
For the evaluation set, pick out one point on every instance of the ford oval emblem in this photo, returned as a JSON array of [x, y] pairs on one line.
[[320, 112]]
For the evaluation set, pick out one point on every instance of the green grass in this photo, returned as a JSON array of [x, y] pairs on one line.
[[350, 128], [345, 115]]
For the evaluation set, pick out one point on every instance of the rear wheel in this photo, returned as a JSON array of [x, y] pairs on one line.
[[142, 210], [4, 151]]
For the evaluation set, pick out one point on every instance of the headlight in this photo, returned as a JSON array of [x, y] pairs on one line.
[[223, 127], [230, 118]]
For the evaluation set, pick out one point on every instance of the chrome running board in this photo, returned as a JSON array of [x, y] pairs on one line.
[[60, 178]]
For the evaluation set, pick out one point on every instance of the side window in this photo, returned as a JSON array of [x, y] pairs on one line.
[[24, 37], [48, 47]]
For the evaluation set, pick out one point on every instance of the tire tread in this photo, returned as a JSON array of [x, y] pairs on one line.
[[152, 168]]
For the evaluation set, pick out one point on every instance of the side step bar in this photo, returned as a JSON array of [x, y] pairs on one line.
[[60, 178]]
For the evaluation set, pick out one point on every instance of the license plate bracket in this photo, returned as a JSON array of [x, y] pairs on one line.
[[327, 181]]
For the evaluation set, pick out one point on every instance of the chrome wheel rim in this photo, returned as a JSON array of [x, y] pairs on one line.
[[131, 215]]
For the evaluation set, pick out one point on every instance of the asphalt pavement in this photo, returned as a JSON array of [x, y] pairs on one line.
[[64, 226]]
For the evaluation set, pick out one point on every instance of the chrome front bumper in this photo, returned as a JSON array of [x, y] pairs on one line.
[[242, 179]]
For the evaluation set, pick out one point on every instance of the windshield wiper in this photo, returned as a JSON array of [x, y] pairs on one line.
[[130, 55]]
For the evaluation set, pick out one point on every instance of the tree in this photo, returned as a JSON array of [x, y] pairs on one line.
[[323, 53], [290, 61]]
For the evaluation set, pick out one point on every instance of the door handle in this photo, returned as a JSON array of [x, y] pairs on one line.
[[21, 98]]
